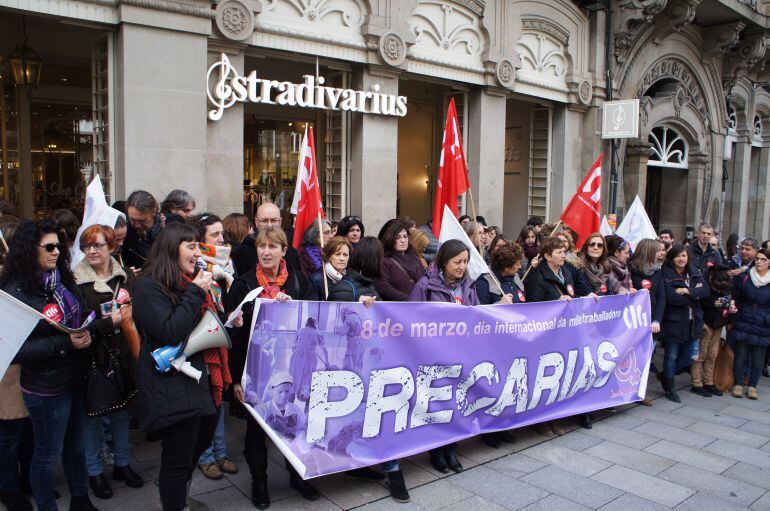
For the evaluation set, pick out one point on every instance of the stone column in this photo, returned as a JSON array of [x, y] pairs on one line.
[[635, 171], [160, 95], [762, 226], [224, 145], [739, 202], [486, 153], [374, 154], [696, 174], [567, 166]]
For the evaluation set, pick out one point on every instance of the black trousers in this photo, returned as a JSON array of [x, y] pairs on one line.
[[181, 446], [255, 451]]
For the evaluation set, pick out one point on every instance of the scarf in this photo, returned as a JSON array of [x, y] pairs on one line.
[[310, 259], [218, 262], [67, 302], [216, 358], [620, 278], [596, 276], [530, 252], [270, 289], [756, 279], [333, 274]]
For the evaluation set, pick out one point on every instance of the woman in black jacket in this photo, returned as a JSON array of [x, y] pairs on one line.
[[549, 281], [344, 284], [37, 272], [506, 263], [168, 303], [279, 282], [682, 316]]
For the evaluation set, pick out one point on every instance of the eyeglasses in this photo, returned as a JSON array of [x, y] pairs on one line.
[[596, 244], [268, 221], [50, 247], [92, 246], [761, 259]]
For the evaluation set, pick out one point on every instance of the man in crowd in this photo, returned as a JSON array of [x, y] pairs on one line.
[[666, 236], [742, 260], [245, 257], [702, 255], [144, 225]]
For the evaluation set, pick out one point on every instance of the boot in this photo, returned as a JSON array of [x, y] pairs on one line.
[[701, 391], [714, 391], [671, 391], [585, 421], [15, 501], [397, 487], [438, 462], [365, 473], [100, 486], [259, 496], [491, 440], [81, 503], [453, 462], [126, 474], [304, 488], [737, 391], [506, 436], [751, 393]]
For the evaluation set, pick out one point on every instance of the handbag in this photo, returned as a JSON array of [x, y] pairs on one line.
[[109, 387]]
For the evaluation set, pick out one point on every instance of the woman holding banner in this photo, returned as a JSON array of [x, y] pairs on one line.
[[278, 282], [447, 280], [37, 272], [343, 283], [106, 288], [682, 316]]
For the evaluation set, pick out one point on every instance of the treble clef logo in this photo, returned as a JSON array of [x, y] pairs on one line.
[[619, 117], [222, 96]]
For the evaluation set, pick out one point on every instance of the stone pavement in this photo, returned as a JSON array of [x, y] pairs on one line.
[[702, 454]]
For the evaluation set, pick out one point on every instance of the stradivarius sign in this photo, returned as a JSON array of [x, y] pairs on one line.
[[226, 87]]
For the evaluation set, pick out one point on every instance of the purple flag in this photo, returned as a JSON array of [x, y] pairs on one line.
[[338, 386]]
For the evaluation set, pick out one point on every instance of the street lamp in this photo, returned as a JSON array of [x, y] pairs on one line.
[[26, 66]]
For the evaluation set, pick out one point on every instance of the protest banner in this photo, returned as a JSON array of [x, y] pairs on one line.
[[338, 386]]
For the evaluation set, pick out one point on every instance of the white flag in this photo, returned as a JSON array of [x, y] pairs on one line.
[[16, 323], [452, 230], [604, 227], [636, 225], [96, 211]]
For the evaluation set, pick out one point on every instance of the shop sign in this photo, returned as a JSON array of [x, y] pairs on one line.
[[230, 88], [620, 119]]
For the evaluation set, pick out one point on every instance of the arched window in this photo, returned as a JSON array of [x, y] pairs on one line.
[[668, 148]]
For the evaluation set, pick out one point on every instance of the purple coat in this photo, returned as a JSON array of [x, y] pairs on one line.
[[395, 283], [431, 288]]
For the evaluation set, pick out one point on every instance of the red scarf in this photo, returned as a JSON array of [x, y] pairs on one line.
[[270, 289], [216, 358]]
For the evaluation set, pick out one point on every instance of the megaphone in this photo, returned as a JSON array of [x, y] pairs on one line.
[[208, 333]]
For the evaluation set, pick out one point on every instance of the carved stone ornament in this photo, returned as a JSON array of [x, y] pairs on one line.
[[678, 70], [585, 92], [235, 20], [392, 49], [719, 39], [506, 73], [632, 16], [681, 13], [539, 25]]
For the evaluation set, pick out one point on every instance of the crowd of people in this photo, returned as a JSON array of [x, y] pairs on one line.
[[144, 283]]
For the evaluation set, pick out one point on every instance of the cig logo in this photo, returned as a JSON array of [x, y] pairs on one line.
[[633, 317]]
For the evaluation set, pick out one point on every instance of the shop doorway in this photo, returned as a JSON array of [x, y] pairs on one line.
[[416, 161], [666, 192]]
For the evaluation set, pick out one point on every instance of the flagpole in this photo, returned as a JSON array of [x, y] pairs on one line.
[[323, 265], [5, 245], [558, 224], [481, 251]]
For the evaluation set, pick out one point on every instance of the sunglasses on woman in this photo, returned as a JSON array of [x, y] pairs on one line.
[[50, 247], [597, 244]]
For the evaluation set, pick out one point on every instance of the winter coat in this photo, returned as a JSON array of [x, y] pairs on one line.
[[432, 249], [162, 320], [136, 247], [752, 322], [297, 287], [654, 284], [488, 292], [543, 286], [49, 362], [245, 256], [432, 288], [683, 316], [716, 307], [583, 285], [398, 275], [95, 293], [350, 289], [703, 260]]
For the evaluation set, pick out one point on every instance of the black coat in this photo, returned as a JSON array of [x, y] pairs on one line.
[[297, 287], [542, 285], [703, 260], [136, 247], [350, 289], [49, 362], [489, 293], [654, 284], [677, 325], [163, 320], [752, 323], [245, 256]]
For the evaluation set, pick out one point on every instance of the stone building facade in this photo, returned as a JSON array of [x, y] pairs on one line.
[[129, 80]]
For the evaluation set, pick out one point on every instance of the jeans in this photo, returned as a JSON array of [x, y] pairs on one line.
[[391, 466], [16, 447], [59, 424], [743, 351], [181, 446], [218, 448], [121, 448]]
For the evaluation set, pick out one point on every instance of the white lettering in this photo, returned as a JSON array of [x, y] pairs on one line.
[[426, 394], [320, 408], [515, 390], [481, 370], [605, 365], [547, 382], [377, 403]]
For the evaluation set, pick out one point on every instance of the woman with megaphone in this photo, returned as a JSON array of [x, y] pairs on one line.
[[169, 302], [279, 282]]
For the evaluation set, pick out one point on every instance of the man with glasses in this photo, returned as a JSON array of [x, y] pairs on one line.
[[745, 258], [144, 225], [245, 257]]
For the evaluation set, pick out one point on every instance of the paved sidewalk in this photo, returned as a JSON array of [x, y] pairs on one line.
[[702, 454]]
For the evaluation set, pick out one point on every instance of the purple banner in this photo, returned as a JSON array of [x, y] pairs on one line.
[[338, 386]]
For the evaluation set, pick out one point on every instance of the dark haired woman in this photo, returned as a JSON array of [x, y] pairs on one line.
[[237, 228], [751, 328], [280, 282], [168, 303], [106, 289], [528, 240], [401, 269], [447, 280], [215, 257], [352, 228], [37, 272], [310, 257], [618, 252], [593, 268], [683, 315]]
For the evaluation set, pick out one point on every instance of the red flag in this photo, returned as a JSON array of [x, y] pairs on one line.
[[583, 213], [452, 171], [307, 194]]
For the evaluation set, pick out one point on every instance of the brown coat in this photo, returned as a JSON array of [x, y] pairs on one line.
[[11, 403]]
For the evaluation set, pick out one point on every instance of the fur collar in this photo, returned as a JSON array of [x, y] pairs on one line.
[[85, 274]]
